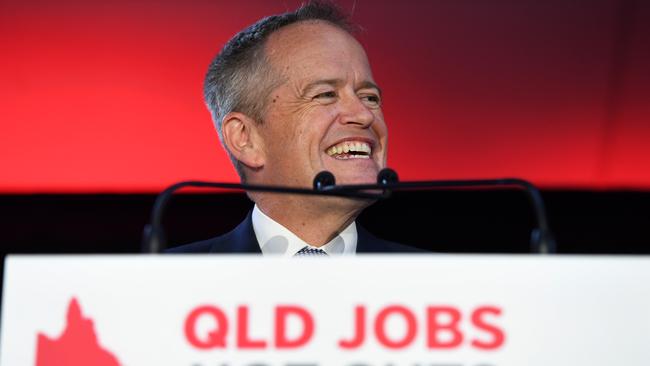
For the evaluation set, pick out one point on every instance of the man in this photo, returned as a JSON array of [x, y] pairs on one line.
[[293, 95]]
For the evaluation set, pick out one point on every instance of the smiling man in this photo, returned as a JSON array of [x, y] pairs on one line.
[[293, 95]]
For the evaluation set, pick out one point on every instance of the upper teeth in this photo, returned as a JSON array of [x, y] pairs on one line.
[[349, 146]]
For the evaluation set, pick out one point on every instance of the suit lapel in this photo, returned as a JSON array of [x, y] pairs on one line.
[[240, 240], [366, 242]]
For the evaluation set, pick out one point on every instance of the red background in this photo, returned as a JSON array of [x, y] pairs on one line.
[[107, 96]]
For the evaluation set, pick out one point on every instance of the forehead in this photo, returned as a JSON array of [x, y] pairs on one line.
[[316, 46]]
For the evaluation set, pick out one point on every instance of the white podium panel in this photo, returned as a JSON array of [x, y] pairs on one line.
[[429, 310]]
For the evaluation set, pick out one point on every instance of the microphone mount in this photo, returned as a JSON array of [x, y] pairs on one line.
[[154, 240], [542, 240]]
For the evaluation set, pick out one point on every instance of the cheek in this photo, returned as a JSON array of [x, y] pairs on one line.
[[380, 127], [300, 130], [297, 122], [312, 124], [291, 144]]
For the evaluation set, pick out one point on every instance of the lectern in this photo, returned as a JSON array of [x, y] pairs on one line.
[[363, 310]]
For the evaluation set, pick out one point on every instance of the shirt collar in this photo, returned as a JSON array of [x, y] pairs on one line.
[[275, 239]]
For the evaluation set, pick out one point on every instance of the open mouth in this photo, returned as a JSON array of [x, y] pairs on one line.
[[350, 150]]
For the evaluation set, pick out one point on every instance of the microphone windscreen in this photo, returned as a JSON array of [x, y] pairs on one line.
[[387, 176], [323, 179]]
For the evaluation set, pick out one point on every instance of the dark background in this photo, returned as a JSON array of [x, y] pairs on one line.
[[460, 221]]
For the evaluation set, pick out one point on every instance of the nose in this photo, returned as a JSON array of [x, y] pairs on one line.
[[355, 112]]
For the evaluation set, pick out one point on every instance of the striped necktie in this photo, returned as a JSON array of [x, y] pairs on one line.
[[311, 252]]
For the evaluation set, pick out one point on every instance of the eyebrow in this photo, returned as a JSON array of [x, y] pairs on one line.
[[366, 84]]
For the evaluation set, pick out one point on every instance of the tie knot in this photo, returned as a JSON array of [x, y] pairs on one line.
[[311, 252]]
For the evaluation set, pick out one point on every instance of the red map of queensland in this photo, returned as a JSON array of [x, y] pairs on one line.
[[78, 345]]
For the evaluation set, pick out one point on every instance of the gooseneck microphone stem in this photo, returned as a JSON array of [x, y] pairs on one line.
[[324, 185], [154, 240], [542, 240]]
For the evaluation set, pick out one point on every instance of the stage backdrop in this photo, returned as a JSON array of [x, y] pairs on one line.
[[106, 96]]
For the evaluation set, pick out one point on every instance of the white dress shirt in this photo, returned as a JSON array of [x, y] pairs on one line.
[[275, 239]]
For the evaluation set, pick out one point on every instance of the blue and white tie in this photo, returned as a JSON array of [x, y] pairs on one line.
[[310, 252]]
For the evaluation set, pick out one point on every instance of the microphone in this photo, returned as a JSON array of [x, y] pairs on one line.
[[324, 180], [541, 240], [153, 237], [387, 176], [324, 184]]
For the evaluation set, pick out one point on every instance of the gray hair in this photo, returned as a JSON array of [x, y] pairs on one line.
[[240, 78]]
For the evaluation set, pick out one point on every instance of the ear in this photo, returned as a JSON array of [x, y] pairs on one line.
[[242, 139]]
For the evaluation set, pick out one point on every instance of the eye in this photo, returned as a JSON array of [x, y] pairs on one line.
[[327, 94], [371, 100], [326, 97]]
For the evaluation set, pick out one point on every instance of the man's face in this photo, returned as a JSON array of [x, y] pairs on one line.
[[326, 115]]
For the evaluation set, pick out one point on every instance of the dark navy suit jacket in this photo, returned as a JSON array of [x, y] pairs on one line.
[[243, 240]]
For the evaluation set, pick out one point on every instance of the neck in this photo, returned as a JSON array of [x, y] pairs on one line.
[[316, 220]]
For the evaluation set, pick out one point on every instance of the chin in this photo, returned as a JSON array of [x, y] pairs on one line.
[[356, 177], [348, 172], [346, 177], [344, 205]]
